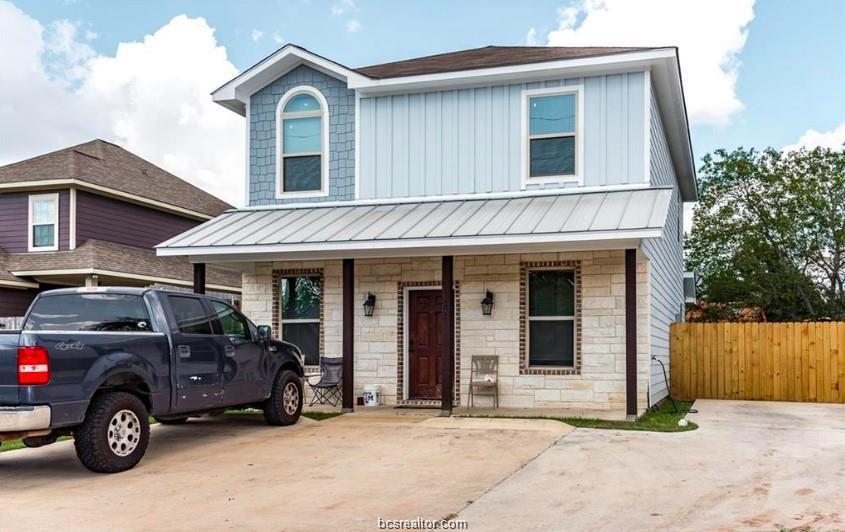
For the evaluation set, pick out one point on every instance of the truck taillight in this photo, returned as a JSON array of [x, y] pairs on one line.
[[33, 365]]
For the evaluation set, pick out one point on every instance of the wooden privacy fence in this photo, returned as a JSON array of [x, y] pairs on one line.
[[762, 361]]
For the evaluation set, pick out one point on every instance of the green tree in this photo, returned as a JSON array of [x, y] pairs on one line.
[[769, 234]]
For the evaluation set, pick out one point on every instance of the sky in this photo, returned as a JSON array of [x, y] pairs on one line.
[[756, 74]]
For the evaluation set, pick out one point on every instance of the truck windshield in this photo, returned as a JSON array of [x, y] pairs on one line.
[[89, 312]]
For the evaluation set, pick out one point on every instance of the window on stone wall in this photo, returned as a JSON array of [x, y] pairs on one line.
[[551, 331], [303, 147], [299, 305]]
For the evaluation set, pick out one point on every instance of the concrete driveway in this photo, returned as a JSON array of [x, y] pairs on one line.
[[235, 472], [751, 465]]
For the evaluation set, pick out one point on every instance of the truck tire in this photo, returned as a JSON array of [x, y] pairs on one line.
[[285, 403], [115, 433], [172, 420]]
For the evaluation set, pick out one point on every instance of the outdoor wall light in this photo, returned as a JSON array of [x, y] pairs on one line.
[[369, 305], [487, 304]]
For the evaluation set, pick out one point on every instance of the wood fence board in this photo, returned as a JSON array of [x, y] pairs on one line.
[[764, 361]]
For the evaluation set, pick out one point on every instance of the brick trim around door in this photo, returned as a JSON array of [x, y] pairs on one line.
[[400, 345]]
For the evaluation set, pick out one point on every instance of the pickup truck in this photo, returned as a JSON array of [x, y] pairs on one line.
[[96, 363]]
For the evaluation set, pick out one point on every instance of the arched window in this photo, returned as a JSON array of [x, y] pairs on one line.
[[302, 143]]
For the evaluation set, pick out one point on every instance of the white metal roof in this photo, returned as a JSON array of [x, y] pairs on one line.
[[369, 228]]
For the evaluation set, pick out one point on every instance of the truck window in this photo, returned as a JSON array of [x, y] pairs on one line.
[[89, 312], [190, 315], [231, 323]]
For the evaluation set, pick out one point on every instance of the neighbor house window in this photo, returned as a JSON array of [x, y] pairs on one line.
[[552, 136], [303, 146], [299, 303], [44, 222], [551, 318]]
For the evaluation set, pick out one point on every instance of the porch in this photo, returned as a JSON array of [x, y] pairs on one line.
[[423, 269]]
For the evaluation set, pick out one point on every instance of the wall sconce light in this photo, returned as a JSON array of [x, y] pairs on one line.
[[369, 305], [487, 304]]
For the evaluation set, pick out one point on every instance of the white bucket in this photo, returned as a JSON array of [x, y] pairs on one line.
[[372, 395]]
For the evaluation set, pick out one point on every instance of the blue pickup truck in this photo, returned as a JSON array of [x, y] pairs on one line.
[[96, 363]]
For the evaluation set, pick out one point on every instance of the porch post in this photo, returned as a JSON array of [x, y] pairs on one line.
[[199, 278], [348, 333], [631, 331], [447, 362]]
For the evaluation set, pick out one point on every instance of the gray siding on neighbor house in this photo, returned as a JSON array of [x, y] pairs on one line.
[[112, 220], [262, 136], [14, 219], [666, 272], [470, 140]]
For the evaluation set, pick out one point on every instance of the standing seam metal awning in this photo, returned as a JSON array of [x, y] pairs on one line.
[[622, 214]]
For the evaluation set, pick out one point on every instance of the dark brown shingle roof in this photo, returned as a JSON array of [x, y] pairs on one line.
[[108, 165], [487, 57], [101, 255]]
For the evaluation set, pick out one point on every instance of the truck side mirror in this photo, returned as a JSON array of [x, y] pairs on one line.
[[265, 332]]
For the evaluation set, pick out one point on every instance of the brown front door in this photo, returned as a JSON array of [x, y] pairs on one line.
[[425, 335]]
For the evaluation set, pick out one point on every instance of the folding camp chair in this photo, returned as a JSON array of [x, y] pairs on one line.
[[328, 389]]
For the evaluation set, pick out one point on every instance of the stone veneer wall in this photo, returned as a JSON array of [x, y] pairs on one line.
[[599, 386]]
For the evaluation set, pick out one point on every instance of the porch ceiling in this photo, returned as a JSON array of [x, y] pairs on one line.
[[493, 224]]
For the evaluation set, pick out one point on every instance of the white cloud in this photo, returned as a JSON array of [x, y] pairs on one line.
[[811, 138], [710, 35], [531, 37], [90, 35], [353, 25], [278, 39], [343, 7], [256, 35], [151, 97]]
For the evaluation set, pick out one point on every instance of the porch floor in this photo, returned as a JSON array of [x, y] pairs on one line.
[[464, 411]]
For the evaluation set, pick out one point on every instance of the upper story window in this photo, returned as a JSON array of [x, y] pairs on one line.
[[44, 222], [552, 135], [302, 143]]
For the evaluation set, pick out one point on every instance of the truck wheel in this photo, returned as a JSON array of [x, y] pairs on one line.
[[115, 433], [285, 403], [172, 420]]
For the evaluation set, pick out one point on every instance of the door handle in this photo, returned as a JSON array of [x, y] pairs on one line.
[[184, 351], [229, 350]]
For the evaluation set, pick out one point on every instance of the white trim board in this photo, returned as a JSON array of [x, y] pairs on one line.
[[111, 273], [18, 284]]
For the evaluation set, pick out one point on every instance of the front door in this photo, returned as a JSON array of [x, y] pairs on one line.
[[425, 337]]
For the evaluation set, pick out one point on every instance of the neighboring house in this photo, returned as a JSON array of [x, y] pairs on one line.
[[551, 179], [91, 214]]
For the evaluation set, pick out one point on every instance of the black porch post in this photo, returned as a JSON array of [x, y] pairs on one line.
[[348, 333], [447, 362], [631, 331], [199, 278]]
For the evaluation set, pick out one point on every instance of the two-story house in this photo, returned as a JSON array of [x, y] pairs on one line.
[[91, 214], [520, 202]]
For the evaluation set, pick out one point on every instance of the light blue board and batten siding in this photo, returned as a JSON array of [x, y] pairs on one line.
[[665, 256], [262, 137], [469, 140]]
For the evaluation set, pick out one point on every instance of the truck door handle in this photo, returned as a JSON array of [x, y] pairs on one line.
[[184, 351], [229, 350]]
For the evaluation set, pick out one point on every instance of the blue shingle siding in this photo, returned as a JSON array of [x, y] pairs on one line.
[[666, 271], [262, 141]]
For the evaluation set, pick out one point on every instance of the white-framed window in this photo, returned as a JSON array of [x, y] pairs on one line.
[[302, 143], [552, 132], [43, 231], [551, 318]]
